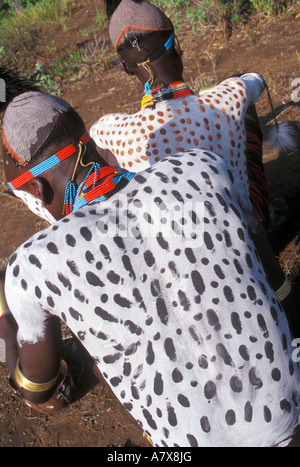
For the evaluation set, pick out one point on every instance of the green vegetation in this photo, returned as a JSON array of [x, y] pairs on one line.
[[45, 79], [201, 13], [23, 27], [29, 31]]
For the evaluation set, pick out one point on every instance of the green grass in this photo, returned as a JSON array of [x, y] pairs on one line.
[[173, 9], [45, 79], [201, 13], [24, 31], [20, 32], [268, 7]]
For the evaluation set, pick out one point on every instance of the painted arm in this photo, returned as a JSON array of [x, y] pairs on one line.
[[33, 365], [255, 86]]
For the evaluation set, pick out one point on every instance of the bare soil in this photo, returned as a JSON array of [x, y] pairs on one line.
[[269, 46]]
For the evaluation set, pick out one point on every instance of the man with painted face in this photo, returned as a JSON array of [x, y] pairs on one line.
[[157, 275]]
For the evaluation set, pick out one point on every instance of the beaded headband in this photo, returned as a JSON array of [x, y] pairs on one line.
[[47, 164]]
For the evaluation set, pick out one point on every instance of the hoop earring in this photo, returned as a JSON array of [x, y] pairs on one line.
[[70, 191], [150, 81]]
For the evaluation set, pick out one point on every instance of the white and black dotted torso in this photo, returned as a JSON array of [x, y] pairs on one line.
[[186, 330], [213, 121]]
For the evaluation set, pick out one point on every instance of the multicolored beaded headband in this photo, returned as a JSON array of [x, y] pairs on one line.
[[47, 164]]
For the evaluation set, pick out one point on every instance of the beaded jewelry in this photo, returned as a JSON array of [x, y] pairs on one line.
[[70, 191], [46, 164], [100, 184], [172, 91]]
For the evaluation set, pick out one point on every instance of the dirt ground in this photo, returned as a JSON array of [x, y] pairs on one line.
[[268, 46]]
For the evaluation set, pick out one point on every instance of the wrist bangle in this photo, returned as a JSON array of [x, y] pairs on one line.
[[284, 290], [31, 386]]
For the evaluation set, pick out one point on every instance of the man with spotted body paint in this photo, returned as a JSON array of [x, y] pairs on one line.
[[172, 118], [182, 323]]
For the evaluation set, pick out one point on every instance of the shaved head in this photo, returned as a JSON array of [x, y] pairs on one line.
[[137, 17]]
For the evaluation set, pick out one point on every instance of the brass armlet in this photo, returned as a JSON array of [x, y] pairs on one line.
[[284, 290], [31, 386]]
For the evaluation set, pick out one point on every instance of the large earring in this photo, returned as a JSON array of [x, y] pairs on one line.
[[70, 192], [150, 81]]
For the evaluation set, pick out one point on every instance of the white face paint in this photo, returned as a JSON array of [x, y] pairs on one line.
[[35, 205]]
